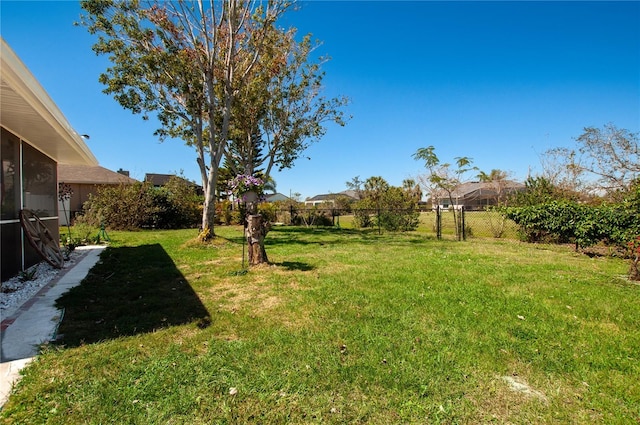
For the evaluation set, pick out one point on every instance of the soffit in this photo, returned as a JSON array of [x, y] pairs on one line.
[[27, 111]]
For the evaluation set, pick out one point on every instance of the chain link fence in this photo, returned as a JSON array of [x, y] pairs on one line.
[[438, 223]]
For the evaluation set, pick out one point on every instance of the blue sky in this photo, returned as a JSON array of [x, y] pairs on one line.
[[499, 82]]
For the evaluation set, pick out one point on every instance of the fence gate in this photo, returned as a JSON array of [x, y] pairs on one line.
[[450, 223]]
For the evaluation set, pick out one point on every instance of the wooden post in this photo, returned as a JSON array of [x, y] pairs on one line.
[[255, 233]]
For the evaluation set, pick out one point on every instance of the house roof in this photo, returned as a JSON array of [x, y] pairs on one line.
[[275, 197], [323, 197], [350, 193], [90, 174], [29, 112], [332, 196], [162, 179], [157, 179], [484, 189]]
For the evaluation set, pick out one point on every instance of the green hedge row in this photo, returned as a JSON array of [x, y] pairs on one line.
[[585, 225]]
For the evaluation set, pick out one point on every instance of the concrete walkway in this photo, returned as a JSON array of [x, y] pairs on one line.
[[36, 321]]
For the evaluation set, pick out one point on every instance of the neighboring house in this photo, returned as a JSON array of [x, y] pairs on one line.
[[276, 197], [85, 180], [330, 198], [35, 137], [478, 195], [159, 180]]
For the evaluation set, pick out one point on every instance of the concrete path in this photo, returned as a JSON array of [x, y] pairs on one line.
[[36, 321]]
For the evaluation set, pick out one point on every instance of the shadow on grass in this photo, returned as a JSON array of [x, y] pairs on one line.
[[295, 265], [288, 235], [321, 236], [317, 235], [132, 290]]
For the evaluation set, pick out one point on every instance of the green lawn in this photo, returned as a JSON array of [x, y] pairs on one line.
[[343, 327], [478, 224]]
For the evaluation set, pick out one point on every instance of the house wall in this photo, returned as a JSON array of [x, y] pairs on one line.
[[328, 202], [69, 208], [474, 205], [28, 179], [80, 195]]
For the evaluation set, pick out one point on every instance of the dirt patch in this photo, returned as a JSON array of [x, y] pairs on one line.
[[519, 385], [235, 297], [216, 242], [504, 398], [257, 300]]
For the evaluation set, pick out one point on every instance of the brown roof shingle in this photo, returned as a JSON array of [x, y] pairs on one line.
[[90, 174]]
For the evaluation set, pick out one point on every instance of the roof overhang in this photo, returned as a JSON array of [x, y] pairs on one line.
[[27, 111]]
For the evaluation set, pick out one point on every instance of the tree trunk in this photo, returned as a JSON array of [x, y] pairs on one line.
[[208, 212], [255, 232]]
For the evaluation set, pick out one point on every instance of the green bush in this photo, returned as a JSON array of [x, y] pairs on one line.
[[224, 212], [399, 220], [361, 217], [183, 202], [83, 233], [584, 225], [312, 217], [554, 222], [539, 190], [388, 207], [120, 207], [269, 211], [140, 205]]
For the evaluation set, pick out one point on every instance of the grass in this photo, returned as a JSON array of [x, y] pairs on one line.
[[343, 327], [482, 224]]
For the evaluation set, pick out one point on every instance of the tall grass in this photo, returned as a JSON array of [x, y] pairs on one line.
[[344, 326]]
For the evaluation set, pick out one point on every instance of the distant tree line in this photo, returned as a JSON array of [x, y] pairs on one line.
[[585, 196]]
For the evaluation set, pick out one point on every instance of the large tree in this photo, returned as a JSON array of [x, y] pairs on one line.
[[282, 110], [278, 113], [186, 61], [296, 111], [605, 162]]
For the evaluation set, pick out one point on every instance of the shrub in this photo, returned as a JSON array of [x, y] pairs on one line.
[[361, 217], [555, 221], [83, 233], [224, 212], [120, 207], [391, 208], [184, 202], [140, 205], [269, 211], [584, 225], [539, 190], [237, 216], [313, 217], [398, 219]]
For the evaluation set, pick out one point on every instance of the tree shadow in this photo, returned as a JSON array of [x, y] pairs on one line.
[[295, 265], [336, 236], [131, 290], [289, 235]]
